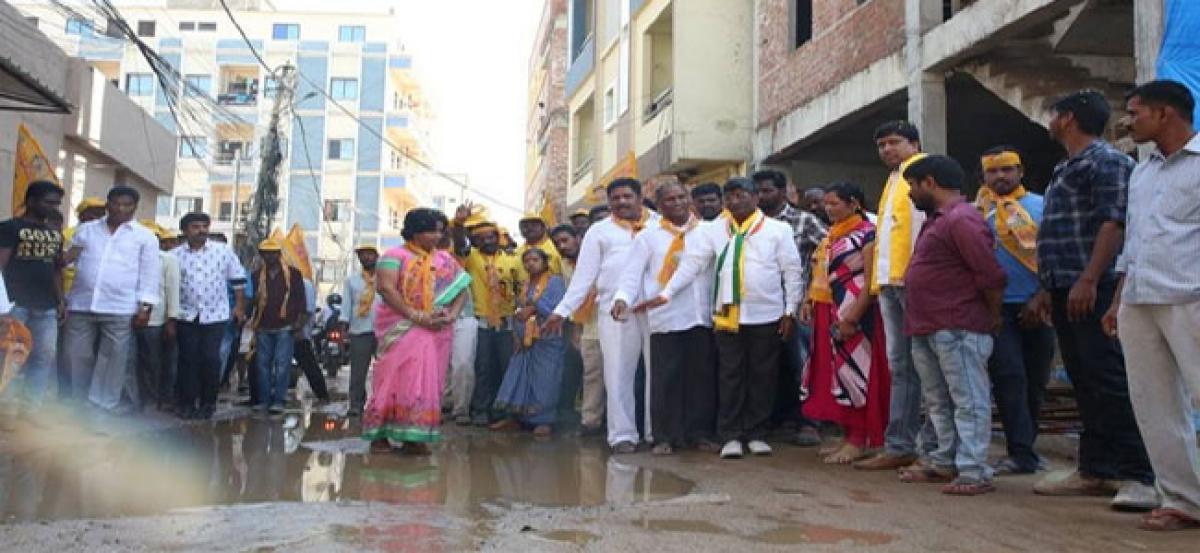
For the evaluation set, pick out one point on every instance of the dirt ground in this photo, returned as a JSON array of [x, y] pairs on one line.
[[305, 482]]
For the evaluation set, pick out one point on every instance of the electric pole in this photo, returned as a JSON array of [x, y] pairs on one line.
[[265, 200]]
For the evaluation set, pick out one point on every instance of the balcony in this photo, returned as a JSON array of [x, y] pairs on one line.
[[656, 106], [238, 99]]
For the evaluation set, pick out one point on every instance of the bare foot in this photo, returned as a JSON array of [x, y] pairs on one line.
[[848, 453], [831, 449]]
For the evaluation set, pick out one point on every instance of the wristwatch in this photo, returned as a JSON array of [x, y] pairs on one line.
[[145, 308]]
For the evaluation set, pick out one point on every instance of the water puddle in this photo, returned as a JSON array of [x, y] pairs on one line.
[[680, 525], [310, 457], [573, 537], [822, 535]]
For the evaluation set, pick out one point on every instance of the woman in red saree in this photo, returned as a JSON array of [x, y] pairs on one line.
[[846, 380]]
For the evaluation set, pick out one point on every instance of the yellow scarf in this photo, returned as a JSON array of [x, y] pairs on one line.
[[633, 226], [368, 296], [417, 282], [532, 329], [730, 283], [1015, 227], [820, 291], [261, 291], [671, 259], [896, 204], [496, 290]]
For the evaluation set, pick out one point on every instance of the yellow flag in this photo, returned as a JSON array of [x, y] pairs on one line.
[[30, 164], [548, 214], [295, 245]]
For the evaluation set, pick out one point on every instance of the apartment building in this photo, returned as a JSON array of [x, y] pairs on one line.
[[546, 127], [93, 135], [657, 87], [969, 73], [339, 181]]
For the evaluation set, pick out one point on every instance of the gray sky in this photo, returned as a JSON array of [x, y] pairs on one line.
[[472, 57]]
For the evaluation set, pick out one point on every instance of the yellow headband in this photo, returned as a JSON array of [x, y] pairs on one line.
[[1002, 159]]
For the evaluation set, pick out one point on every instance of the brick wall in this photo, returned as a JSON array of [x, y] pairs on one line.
[[847, 38]]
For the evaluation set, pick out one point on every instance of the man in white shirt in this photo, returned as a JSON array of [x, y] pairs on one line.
[[207, 268], [358, 320], [683, 373], [148, 366], [757, 289], [117, 273], [602, 258]]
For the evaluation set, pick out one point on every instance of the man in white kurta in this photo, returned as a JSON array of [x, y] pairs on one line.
[[757, 290], [601, 261], [682, 380]]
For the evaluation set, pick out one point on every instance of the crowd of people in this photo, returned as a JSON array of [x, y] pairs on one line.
[[710, 315]]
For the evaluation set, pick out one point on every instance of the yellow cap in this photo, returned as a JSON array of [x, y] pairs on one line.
[[531, 216], [270, 245], [478, 222], [366, 246], [581, 213], [89, 203], [164, 234]]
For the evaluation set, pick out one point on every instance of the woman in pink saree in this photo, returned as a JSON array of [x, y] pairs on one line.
[[422, 291]]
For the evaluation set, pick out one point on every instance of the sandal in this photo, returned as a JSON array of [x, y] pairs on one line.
[[845, 455], [1168, 520], [926, 475], [966, 487]]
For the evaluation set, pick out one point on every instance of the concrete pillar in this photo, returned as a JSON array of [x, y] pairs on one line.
[[1148, 24], [926, 90]]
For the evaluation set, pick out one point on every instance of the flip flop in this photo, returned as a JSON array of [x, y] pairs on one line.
[[968, 487], [926, 475], [1168, 520]]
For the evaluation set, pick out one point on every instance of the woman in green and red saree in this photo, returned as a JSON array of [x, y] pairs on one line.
[[422, 291]]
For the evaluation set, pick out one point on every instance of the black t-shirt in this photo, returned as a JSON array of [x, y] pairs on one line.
[[29, 275]]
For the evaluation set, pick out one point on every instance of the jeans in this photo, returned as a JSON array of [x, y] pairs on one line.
[[43, 326], [228, 338], [362, 349], [953, 369], [1020, 369], [1110, 445], [493, 350], [905, 435], [274, 351], [200, 370], [98, 375]]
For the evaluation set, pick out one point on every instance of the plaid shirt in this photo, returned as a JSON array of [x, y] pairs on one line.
[[1085, 192], [807, 230]]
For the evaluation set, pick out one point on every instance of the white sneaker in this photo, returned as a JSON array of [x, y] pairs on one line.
[[1136, 496], [759, 447], [732, 450]]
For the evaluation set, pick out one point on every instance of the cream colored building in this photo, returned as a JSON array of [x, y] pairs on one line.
[[657, 87], [339, 181]]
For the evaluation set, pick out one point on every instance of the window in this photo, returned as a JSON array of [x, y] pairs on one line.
[[329, 271], [197, 85], [271, 87], [285, 31], [146, 28], [225, 212], [187, 204], [344, 89], [193, 147], [187, 25], [352, 33], [341, 148], [610, 108], [394, 219], [139, 84], [77, 26], [658, 67], [113, 29], [581, 13], [206, 27], [337, 210], [802, 22]]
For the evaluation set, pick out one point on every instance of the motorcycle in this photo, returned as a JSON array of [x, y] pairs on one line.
[[335, 351]]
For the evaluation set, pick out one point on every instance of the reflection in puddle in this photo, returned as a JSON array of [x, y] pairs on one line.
[[313, 457], [819, 534]]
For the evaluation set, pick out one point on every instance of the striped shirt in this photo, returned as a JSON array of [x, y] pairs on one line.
[[1085, 192], [1161, 259]]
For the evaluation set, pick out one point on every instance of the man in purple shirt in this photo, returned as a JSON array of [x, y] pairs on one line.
[[952, 308]]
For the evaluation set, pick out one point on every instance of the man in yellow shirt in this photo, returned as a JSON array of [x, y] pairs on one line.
[[899, 223], [495, 275], [533, 230]]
